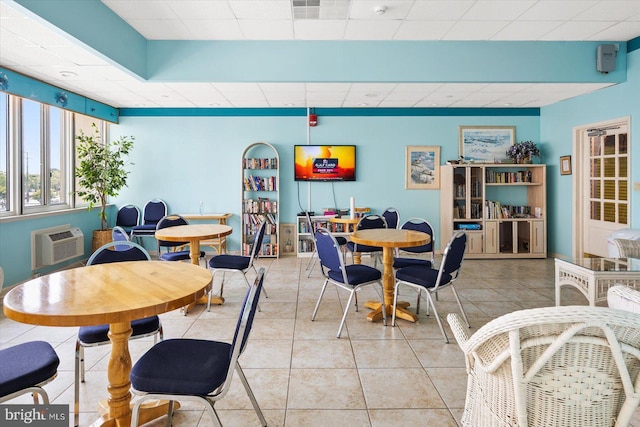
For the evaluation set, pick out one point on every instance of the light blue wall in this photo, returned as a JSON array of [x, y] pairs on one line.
[[15, 241], [556, 128], [187, 159]]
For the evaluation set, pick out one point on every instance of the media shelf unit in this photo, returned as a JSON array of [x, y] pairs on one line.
[[260, 197], [501, 207], [304, 240]]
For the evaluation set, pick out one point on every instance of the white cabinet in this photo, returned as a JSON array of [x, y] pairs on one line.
[[260, 197], [502, 207]]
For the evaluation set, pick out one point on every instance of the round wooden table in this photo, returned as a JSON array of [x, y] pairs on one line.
[[193, 234], [114, 293], [388, 239]]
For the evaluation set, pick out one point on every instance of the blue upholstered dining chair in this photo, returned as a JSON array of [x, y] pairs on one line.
[[119, 234], [25, 368], [399, 261], [392, 217], [433, 280], [226, 263], [368, 222], [342, 241], [154, 210], [128, 217], [171, 253], [92, 336], [195, 369], [349, 277]]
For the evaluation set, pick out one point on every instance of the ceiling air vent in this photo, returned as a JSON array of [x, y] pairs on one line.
[[320, 9]]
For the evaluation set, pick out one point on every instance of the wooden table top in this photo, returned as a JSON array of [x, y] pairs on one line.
[[106, 293], [219, 216], [181, 233], [390, 237]]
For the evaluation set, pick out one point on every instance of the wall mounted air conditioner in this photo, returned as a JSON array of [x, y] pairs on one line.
[[53, 245]]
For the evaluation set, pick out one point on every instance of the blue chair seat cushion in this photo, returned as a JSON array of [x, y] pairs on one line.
[[356, 274], [407, 262], [99, 333], [231, 262], [423, 276], [178, 256], [341, 240], [25, 365], [187, 366], [362, 248]]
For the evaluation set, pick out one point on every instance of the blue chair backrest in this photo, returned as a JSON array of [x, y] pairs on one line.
[[392, 217], [419, 224], [454, 253], [128, 216], [328, 250], [371, 221], [104, 254], [170, 221], [118, 234], [245, 321], [154, 210], [257, 241]]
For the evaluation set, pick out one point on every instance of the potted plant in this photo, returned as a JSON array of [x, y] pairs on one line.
[[523, 151], [101, 174]]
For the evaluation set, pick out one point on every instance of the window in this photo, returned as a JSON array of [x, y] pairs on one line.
[[4, 153], [44, 157], [37, 155]]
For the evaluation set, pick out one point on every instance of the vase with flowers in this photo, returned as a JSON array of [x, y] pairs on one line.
[[523, 151]]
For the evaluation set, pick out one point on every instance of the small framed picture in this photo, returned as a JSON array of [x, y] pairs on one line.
[[565, 165], [486, 144], [422, 168]]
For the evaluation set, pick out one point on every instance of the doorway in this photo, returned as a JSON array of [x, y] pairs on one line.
[[601, 185]]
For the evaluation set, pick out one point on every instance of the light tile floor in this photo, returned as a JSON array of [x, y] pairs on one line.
[[301, 374]]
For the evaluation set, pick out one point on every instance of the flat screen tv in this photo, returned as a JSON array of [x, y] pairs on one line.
[[324, 162]]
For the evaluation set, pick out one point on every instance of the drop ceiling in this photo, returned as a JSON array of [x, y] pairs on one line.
[[34, 48]]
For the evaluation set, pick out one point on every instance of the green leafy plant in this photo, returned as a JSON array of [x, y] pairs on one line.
[[102, 170], [523, 150]]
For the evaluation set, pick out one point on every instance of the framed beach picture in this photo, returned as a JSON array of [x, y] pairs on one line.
[[422, 167], [486, 144]]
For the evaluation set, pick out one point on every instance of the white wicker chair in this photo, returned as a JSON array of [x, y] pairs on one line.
[[552, 366], [628, 248], [624, 298]]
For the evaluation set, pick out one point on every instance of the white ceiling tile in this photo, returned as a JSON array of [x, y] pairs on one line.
[[23, 39], [141, 9], [526, 30], [610, 10], [497, 10], [445, 10], [474, 30], [189, 10], [617, 32], [220, 29], [365, 10], [371, 30], [576, 30], [372, 87], [423, 30], [162, 29], [556, 10], [267, 30], [307, 29], [328, 87], [262, 10]]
